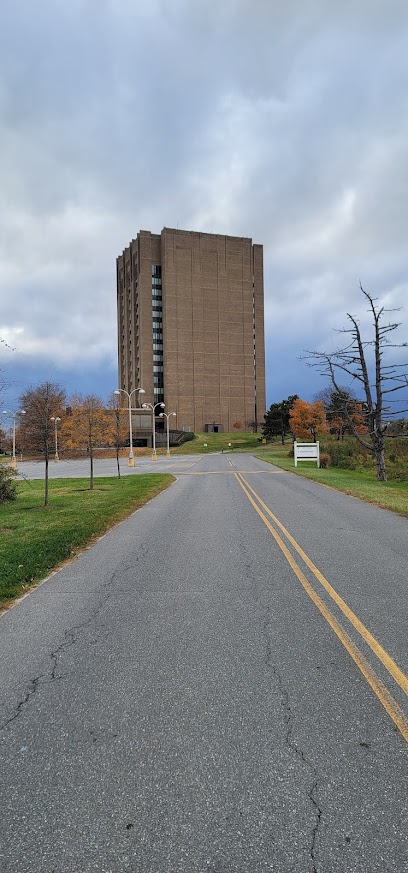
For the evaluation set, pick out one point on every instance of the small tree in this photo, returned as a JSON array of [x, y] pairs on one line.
[[117, 428], [377, 379], [237, 425], [340, 406], [2, 440], [308, 419], [40, 404], [88, 426], [2, 388], [7, 486], [277, 419], [399, 427]]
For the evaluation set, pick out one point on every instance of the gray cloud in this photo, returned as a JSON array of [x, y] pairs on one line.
[[284, 122]]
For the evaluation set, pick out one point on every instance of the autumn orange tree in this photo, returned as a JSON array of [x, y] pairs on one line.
[[353, 423], [308, 419], [86, 427], [345, 414]]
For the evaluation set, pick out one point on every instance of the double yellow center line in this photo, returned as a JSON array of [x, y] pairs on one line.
[[388, 702]]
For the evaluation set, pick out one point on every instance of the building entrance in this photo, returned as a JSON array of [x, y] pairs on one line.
[[213, 428]]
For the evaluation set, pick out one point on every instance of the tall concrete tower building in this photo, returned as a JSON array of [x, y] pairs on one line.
[[191, 326]]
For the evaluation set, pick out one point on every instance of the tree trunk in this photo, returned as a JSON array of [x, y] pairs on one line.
[[46, 480], [91, 485], [117, 461], [380, 458]]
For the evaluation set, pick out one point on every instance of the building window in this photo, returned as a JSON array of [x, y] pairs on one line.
[[157, 334]]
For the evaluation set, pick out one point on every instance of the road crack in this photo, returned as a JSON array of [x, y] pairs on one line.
[[70, 638], [32, 688], [290, 742], [247, 558]]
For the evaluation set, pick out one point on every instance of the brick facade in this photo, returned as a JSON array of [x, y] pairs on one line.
[[206, 302]]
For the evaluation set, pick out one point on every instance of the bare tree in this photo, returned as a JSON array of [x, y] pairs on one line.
[[118, 425], [40, 404], [363, 361], [2, 377], [2, 387]]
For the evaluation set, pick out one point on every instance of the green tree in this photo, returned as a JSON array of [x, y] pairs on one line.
[[277, 419], [7, 486], [398, 427]]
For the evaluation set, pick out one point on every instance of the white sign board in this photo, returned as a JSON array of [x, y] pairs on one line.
[[306, 452]]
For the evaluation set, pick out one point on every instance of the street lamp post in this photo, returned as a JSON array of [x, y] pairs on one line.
[[167, 415], [13, 416], [56, 419], [131, 461], [153, 407]]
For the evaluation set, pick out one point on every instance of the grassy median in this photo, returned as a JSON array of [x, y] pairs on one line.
[[35, 539], [363, 484], [205, 443]]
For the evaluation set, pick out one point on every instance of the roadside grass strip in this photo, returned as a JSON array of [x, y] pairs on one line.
[[387, 700], [35, 539], [364, 485]]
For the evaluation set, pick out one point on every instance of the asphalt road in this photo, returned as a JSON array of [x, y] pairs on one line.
[[67, 469], [217, 686]]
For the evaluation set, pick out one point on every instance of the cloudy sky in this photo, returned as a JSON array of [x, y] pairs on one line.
[[283, 121]]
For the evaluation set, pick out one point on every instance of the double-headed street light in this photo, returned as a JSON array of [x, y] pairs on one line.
[[167, 415], [13, 416], [131, 461], [56, 419], [153, 407]]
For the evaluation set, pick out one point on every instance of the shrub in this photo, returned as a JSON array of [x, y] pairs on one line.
[[324, 460], [7, 486], [398, 471], [340, 454]]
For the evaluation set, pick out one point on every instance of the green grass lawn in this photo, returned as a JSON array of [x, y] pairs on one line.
[[35, 539], [217, 442], [363, 484]]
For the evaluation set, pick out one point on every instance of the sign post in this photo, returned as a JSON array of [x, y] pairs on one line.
[[306, 452]]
